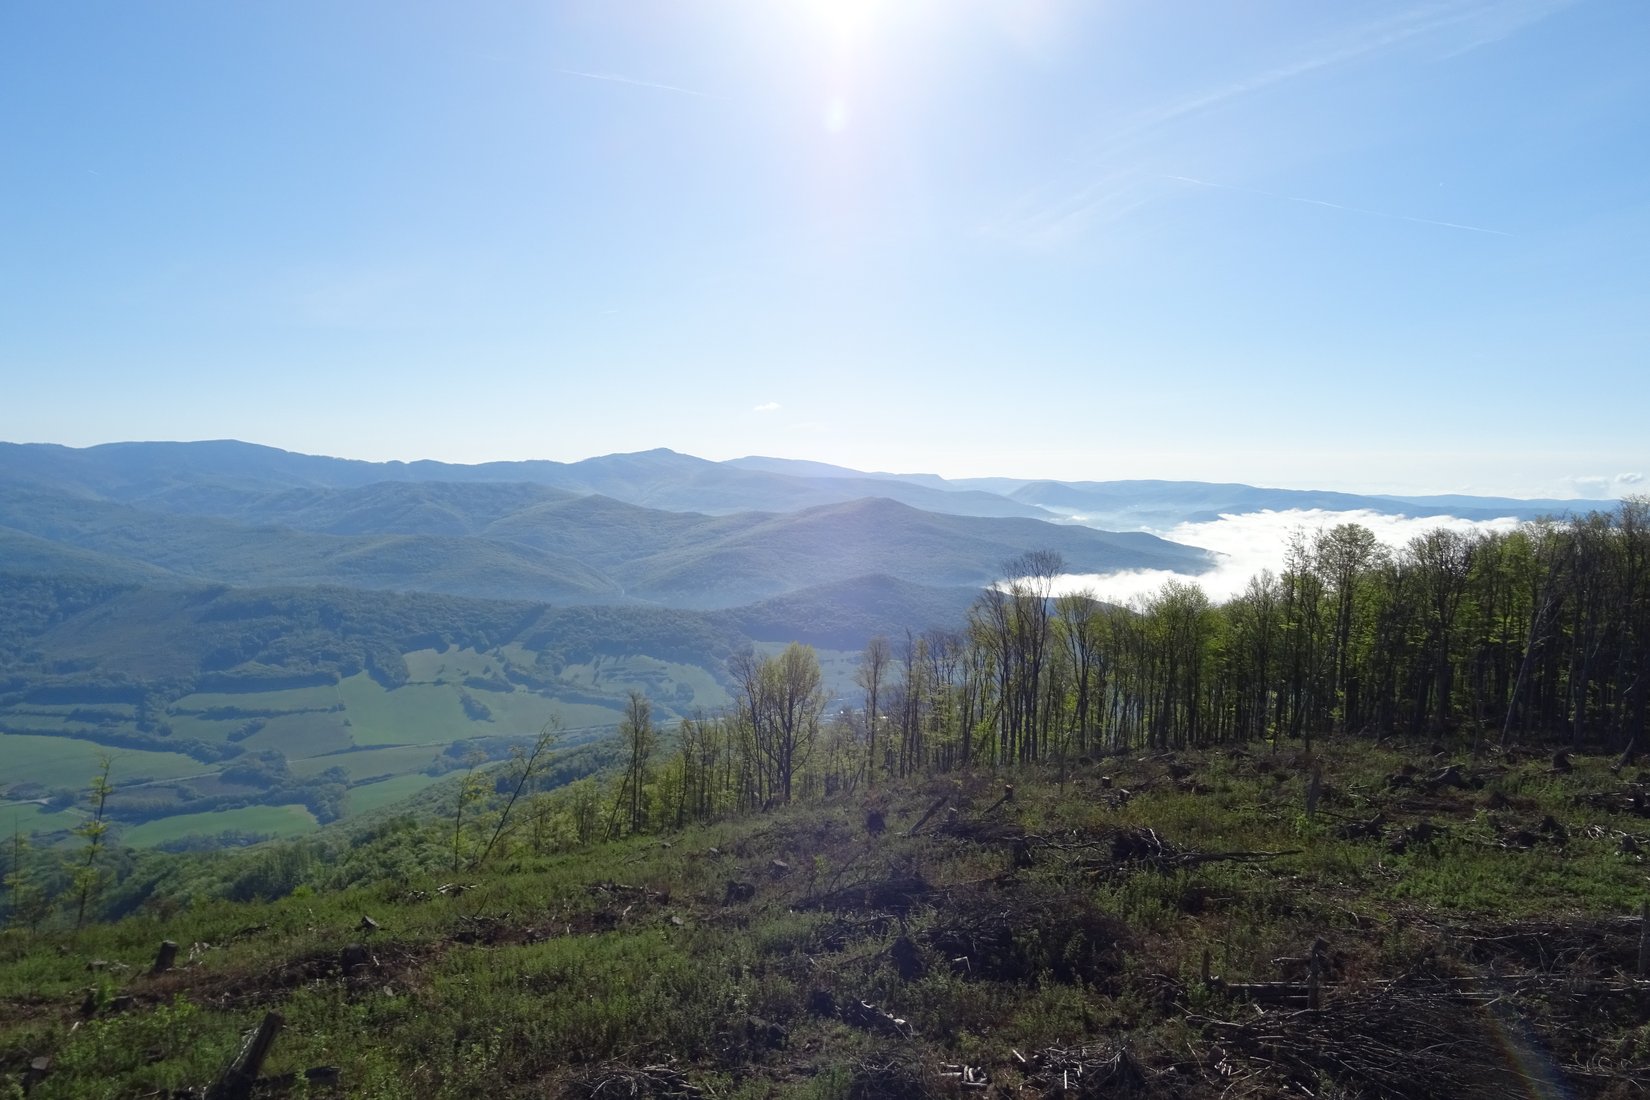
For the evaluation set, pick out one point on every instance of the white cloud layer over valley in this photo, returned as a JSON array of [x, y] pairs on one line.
[[1253, 541]]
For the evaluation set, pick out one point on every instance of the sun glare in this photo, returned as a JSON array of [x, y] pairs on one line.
[[844, 19], [836, 115]]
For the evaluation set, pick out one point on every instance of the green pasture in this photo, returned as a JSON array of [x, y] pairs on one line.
[[298, 698], [304, 734], [275, 820], [61, 763], [452, 666], [29, 720], [524, 712], [211, 730], [29, 818], [385, 792], [120, 712], [413, 714], [657, 679], [215, 786], [366, 763], [518, 655]]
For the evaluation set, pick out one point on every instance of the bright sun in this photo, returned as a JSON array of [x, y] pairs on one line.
[[844, 20]]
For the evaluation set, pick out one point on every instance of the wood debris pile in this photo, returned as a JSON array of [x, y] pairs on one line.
[[1090, 1071], [1396, 1042], [612, 1081]]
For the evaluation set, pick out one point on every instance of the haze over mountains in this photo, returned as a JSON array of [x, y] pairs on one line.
[[657, 527], [256, 632]]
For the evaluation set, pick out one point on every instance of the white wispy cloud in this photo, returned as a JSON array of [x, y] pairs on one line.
[[1095, 191], [615, 78], [1339, 206], [767, 407]]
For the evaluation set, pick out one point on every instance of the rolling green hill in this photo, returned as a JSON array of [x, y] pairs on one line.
[[526, 542], [220, 703]]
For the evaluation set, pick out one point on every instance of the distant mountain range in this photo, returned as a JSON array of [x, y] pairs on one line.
[[653, 528], [224, 478]]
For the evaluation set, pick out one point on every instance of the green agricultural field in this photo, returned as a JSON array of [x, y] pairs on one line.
[[299, 698], [414, 714], [211, 730], [120, 712], [28, 818], [524, 712], [64, 763], [518, 655], [385, 792], [31, 720], [282, 821], [214, 786], [659, 680], [451, 666], [367, 763], [298, 735]]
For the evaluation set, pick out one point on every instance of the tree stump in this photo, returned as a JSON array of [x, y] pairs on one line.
[[235, 1083], [907, 959], [165, 957]]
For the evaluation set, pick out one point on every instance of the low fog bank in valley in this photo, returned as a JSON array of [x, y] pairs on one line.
[[1254, 541]]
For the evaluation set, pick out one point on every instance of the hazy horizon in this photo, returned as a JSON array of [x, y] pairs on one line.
[[1604, 488]]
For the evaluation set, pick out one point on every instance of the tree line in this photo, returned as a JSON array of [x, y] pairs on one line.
[[1541, 632]]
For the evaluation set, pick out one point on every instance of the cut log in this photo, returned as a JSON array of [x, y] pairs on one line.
[[1644, 940]]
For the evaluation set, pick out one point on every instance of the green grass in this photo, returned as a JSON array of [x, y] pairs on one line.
[[414, 714], [299, 735], [66, 763], [37, 819], [658, 679], [366, 763], [298, 698], [119, 711], [52, 722], [281, 821], [560, 962], [385, 792], [205, 729], [451, 666]]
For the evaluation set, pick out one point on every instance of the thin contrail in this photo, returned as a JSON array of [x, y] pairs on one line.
[[615, 78], [1339, 206]]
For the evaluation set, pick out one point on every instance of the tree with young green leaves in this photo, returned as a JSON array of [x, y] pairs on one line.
[[471, 789], [87, 879], [638, 736], [782, 699], [871, 675], [527, 764]]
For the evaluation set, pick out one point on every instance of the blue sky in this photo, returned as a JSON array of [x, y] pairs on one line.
[[1350, 245]]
